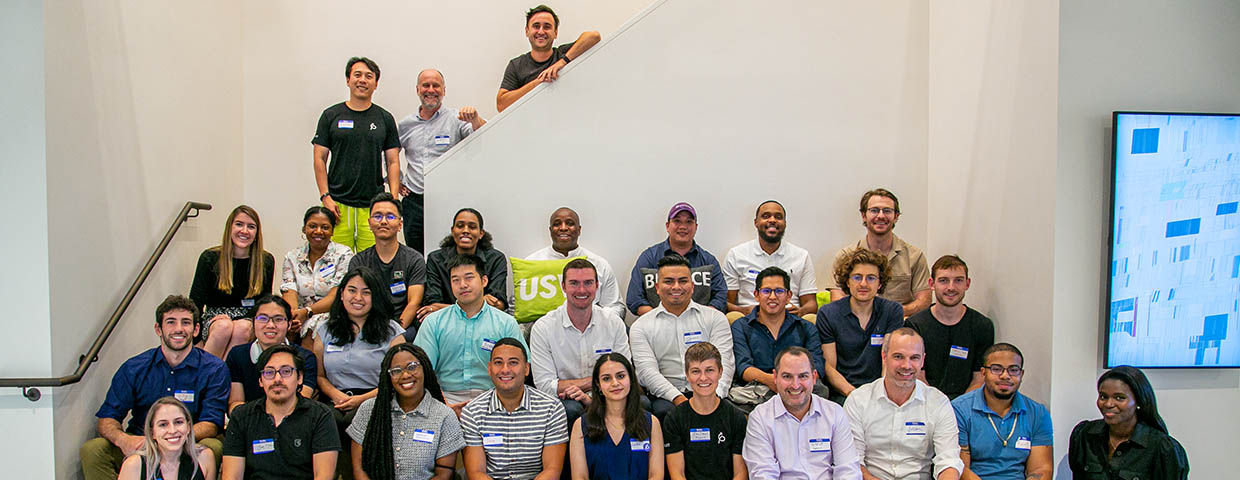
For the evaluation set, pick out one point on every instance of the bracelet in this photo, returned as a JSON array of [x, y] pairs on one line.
[[325, 195]]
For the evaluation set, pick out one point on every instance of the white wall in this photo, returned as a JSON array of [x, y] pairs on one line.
[[26, 350], [1132, 55]]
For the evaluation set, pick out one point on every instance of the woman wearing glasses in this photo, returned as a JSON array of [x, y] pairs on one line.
[[852, 328], [311, 273], [271, 324], [466, 236], [228, 279], [1130, 440], [414, 436]]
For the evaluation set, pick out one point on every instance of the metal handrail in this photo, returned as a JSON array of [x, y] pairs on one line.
[[190, 210]]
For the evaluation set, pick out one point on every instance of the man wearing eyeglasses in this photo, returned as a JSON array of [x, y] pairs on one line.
[[282, 435], [401, 268], [271, 315], [909, 283], [1003, 434], [852, 328], [744, 261], [764, 332]]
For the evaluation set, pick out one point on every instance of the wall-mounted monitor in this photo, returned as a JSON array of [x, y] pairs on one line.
[[1174, 271]]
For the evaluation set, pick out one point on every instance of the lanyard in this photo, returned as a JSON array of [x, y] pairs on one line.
[[1015, 420]]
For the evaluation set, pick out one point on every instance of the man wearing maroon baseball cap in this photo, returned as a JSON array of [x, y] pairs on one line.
[[709, 286]]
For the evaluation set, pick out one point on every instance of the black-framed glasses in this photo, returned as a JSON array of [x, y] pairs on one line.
[[265, 319], [285, 372], [379, 217], [1014, 370], [884, 211], [398, 371], [767, 291]]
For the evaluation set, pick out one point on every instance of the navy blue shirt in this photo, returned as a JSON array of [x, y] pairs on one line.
[[858, 354], [754, 347], [244, 371], [200, 382], [698, 257]]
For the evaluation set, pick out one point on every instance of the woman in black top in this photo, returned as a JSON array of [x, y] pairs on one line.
[[466, 236], [228, 279], [1131, 440], [169, 451]]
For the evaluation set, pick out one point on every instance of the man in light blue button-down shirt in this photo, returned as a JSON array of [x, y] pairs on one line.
[[459, 339]]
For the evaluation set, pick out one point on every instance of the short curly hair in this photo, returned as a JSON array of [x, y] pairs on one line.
[[848, 260]]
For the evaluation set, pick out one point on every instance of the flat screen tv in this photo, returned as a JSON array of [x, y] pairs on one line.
[[1174, 270]]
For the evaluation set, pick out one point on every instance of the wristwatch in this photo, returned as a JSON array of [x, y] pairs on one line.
[[566, 59], [321, 197]]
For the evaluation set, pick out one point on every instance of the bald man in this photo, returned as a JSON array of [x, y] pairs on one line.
[[565, 228], [424, 136]]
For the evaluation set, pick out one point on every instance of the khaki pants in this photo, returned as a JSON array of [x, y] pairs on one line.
[[101, 460]]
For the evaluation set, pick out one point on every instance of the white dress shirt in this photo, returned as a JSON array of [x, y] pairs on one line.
[[659, 340], [745, 261], [558, 351], [904, 441], [608, 295], [817, 447]]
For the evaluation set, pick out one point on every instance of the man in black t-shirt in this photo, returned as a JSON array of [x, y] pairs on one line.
[[360, 138], [399, 267], [955, 335], [703, 436], [543, 62]]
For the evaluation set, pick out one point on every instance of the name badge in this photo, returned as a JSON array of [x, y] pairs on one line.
[[397, 288], [639, 445], [424, 436], [185, 396], [492, 439], [488, 344], [264, 446], [602, 351], [327, 271], [959, 352], [693, 337], [699, 434], [751, 274], [344, 124], [247, 303], [876, 340], [329, 348], [915, 428], [442, 140], [820, 444], [1023, 443]]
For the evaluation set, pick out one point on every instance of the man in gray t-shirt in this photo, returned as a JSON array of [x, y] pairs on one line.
[[543, 62], [424, 136]]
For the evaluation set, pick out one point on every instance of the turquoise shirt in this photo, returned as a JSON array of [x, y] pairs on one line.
[[1026, 425], [460, 347]]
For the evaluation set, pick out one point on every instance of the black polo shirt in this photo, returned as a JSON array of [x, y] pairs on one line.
[[286, 451]]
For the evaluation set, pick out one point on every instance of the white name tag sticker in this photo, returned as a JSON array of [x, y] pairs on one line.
[[602, 351], [693, 337], [344, 124], [492, 439], [699, 434], [442, 140], [264, 446], [185, 396], [639, 445], [876, 340], [424, 436], [915, 428], [820, 444], [329, 348], [751, 274], [247, 303], [327, 271], [1023, 443], [397, 288], [488, 344], [958, 351]]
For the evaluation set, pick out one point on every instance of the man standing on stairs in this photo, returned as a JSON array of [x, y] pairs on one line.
[[543, 62]]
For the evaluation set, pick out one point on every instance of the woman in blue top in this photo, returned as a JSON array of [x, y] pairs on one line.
[[616, 439]]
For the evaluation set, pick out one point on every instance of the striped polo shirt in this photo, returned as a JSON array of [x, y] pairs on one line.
[[513, 441]]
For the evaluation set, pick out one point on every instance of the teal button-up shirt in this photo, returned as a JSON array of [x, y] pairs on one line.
[[460, 347]]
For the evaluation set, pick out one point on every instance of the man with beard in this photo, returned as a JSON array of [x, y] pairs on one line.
[[708, 285], [909, 276], [424, 136], [1003, 434], [565, 229], [399, 267], [903, 428], [176, 368], [282, 435], [799, 436], [544, 61], [745, 261], [955, 334]]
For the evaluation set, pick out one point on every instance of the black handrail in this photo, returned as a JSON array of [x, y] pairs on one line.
[[190, 210]]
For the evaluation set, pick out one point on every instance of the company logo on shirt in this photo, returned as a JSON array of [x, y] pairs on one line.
[[373, 127], [722, 438]]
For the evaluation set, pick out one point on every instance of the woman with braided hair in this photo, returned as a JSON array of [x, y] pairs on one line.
[[414, 435]]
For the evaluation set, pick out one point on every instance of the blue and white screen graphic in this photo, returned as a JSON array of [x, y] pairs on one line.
[[1175, 251]]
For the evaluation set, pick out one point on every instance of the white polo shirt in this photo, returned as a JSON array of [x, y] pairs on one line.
[[608, 295], [916, 440], [558, 351], [744, 261], [659, 340]]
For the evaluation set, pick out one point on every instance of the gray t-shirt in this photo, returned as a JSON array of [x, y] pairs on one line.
[[524, 69], [406, 269]]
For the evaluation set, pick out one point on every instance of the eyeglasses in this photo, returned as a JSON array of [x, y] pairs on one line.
[[398, 371], [379, 217], [997, 370], [265, 319], [884, 211], [859, 278], [285, 372], [767, 291]]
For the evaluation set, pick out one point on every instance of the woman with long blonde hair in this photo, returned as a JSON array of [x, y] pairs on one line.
[[228, 279], [170, 451]]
